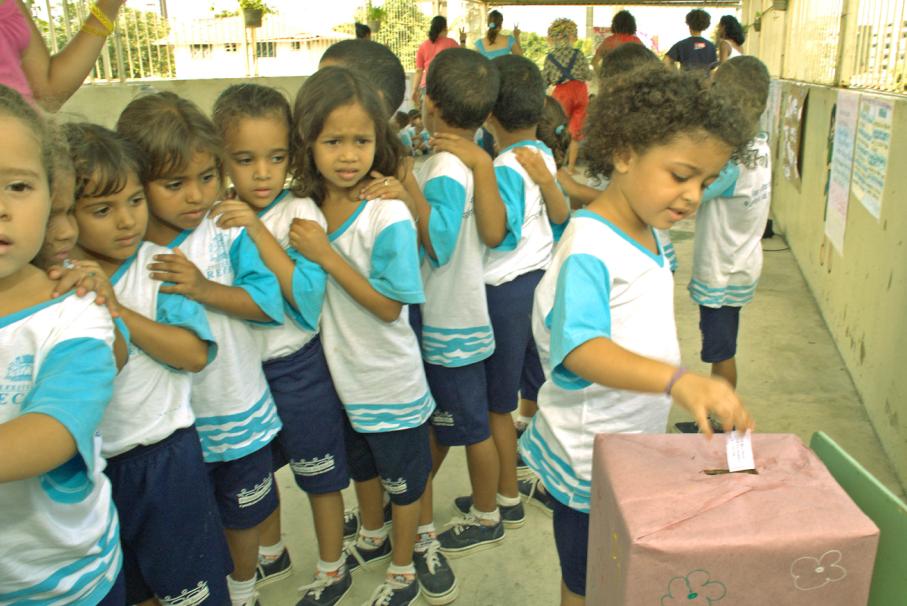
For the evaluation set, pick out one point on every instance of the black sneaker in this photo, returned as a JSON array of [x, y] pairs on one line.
[[325, 590], [358, 558], [436, 577], [352, 521], [269, 571], [530, 491], [395, 592], [467, 534], [513, 516]]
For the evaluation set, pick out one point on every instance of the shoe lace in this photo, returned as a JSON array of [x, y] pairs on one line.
[[432, 559], [350, 514], [384, 593], [461, 523], [317, 586]]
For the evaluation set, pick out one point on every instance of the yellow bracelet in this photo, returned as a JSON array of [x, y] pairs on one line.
[[103, 19], [88, 28]]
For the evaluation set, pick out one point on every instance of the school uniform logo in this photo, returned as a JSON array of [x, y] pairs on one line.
[[397, 486], [248, 498], [442, 418], [189, 597], [218, 257], [312, 467], [21, 368]]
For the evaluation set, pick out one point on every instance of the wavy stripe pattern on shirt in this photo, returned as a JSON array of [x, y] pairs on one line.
[[559, 479], [231, 437], [377, 418], [731, 295], [454, 347]]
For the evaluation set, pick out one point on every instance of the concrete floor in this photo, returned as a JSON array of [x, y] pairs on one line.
[[791, 378]]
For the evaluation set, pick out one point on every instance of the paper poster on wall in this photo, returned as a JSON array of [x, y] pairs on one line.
[[768, 122], [845, 127], [871, 153], [793, 101]]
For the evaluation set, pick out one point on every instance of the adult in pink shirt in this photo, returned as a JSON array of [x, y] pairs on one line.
[[437, 41], [28, 67]]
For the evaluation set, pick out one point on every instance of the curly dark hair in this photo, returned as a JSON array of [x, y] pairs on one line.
[[247, 100], [732, 29], [623, 22], [651, 106], [698, 20], [328, 89], [624, 58]]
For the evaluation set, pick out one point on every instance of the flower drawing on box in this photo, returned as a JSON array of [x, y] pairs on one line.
[[695, 589], [812, 573]]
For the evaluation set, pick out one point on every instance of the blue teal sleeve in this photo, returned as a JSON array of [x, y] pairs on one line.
[[177, 310], [725, 184], [395, 264], [406, 139], [88, 365], [309, 282], [253, 277], [447, 198], [581, 312], [513, 193]]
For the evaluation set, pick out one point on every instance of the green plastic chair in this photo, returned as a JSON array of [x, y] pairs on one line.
[[889, 579]]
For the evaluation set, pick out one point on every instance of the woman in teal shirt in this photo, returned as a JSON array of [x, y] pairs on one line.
[[493, 44]]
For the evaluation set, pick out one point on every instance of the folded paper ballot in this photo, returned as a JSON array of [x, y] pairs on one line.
[[670, 527]]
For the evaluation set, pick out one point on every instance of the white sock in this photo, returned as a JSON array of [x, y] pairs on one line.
[[241, 592], [371, 539], [408, 571], [507, 501], [424, 536], [486, 516], [271, 552], [524, 420], [330, 568]]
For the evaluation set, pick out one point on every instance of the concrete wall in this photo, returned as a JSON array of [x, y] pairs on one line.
[[862, 294], [102, 103]]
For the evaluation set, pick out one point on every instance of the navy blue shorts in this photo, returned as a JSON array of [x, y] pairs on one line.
[[402, 459], [719, 332], [311, 440], [510, 308], [532, 376], [117, 594], [172, 537], [571, 536], [244, 489], [461, 415]]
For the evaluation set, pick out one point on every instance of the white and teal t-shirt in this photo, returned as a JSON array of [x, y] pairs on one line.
[[150, 400], [309, 280], [456, 329], [601, 283], [235, 413], [727, 249], [376, 365], [60, 536], [529, 240]]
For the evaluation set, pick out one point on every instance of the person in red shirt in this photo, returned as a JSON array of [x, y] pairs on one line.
[[623, 30]]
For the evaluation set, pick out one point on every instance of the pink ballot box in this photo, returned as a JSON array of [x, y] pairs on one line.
[[667, 530]]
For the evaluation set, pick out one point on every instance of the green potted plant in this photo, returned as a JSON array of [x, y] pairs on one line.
[[253, 10], [374, 16]]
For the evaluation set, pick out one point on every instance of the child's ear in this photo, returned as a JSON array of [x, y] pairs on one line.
[[621, 159]]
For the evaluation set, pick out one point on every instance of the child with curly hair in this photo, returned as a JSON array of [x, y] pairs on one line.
[[603, 315]]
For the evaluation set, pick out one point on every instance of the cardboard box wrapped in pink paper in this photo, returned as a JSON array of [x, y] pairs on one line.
[[669, 528]]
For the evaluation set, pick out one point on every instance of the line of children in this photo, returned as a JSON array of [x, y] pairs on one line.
[[228, 305]]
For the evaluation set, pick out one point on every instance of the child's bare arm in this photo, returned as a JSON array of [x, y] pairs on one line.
[[236, 213], [171, 345], [190, 282], [601, 360], [31, 445], [579, 194], [491, 214], [310, 239], [534, 165]]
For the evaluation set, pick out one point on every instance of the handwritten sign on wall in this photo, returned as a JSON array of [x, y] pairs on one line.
[[792, 103], [871, 153], [841, 165]]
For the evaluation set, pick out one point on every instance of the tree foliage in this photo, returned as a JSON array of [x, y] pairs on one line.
[[403, 29]]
